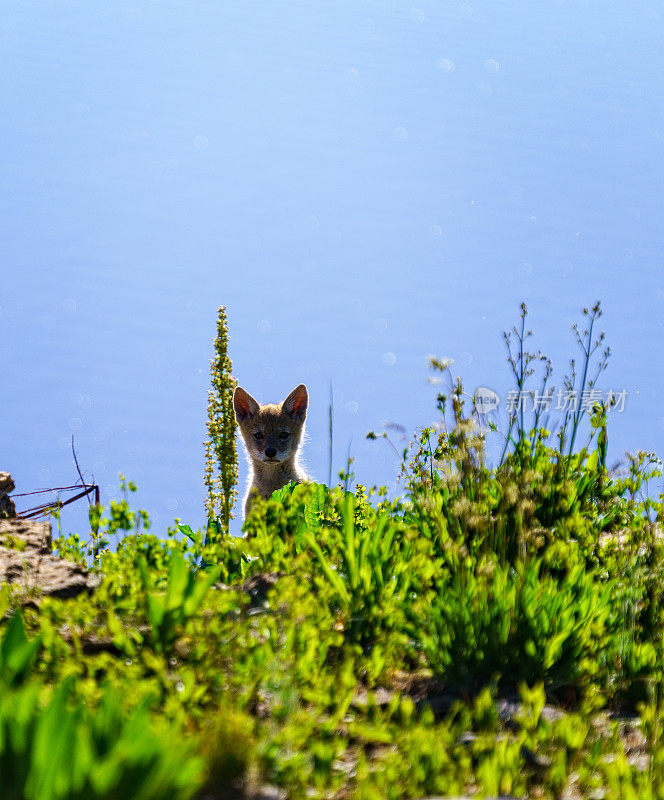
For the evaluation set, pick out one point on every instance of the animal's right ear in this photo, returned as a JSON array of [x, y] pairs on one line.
[[244, 404]]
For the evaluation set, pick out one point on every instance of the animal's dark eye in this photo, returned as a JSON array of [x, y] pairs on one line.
[[284, 435], [258, 436]]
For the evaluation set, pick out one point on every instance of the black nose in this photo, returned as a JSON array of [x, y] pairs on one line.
[[270, 452]]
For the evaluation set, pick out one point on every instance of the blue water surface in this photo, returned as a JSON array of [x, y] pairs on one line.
[[361, 183]]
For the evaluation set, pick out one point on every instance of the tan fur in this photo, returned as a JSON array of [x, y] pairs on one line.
[[273, 456]]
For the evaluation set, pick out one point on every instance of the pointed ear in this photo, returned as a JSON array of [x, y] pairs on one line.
[[295, 405], [244, 404]]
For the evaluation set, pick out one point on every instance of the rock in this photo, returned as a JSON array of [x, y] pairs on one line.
[[26, 561], [6, 482], [7, 508]]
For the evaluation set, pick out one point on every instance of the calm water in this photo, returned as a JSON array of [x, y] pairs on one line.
[[361, 183]]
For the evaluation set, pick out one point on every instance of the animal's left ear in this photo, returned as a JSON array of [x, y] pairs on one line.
[[295, 405]]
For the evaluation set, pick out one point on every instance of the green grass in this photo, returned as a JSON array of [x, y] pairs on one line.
[[496, 629]]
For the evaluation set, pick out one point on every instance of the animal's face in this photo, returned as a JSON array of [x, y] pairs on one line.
[[271, 433], [269, 436]]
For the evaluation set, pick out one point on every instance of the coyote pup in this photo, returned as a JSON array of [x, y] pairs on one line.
[[272, 435]]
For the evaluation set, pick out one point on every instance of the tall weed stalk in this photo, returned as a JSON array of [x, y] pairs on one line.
[[221, 471]]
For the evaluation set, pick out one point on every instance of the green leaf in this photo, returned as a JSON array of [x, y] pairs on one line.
[[16, 651], [281, 494], [314, 505], [200, 588], [178, 580], [331, 574], [553, 648], [187, 531]]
